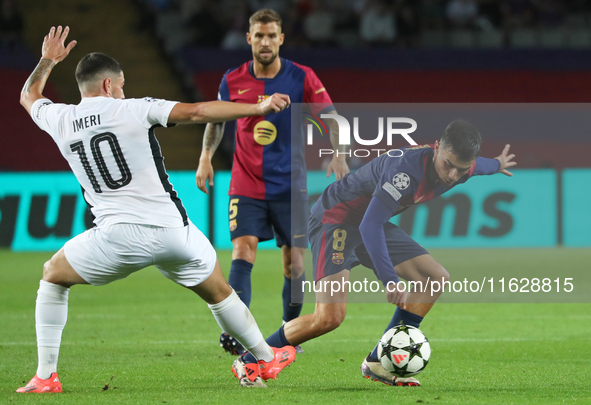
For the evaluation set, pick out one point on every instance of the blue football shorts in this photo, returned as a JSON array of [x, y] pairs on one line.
[[285, 221], [338, 247]]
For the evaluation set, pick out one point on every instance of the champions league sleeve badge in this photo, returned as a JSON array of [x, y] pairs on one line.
[[401, 181]]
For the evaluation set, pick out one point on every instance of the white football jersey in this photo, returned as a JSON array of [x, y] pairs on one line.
[[111, 147]]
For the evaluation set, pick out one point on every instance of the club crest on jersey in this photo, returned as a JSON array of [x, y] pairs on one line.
[[264, 133], [233, 225], [262, 98], [338, 258], [401, 181]]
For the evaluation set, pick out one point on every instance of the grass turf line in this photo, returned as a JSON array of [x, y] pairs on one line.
[[158, 343]]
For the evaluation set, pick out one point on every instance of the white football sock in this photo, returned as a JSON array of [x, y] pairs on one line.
[[236, 320], [47, 361], [51, 313]]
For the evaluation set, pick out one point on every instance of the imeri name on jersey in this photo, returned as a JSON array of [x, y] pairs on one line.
[[86, 122]]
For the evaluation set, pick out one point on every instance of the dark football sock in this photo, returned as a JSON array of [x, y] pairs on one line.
[[292, 310], [239, 279], [400, 316], [277, 339]]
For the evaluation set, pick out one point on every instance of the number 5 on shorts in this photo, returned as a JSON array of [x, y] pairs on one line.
[[338, 239], [233, 208]]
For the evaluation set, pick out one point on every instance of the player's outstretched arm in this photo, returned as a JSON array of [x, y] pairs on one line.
[[220, 111], [338, 164], [211, 140], [374, 239], [53, 51], [506, 161]]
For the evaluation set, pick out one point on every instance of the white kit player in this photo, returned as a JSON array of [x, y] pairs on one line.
[[110, 145]]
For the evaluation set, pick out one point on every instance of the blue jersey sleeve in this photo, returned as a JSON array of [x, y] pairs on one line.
[[374, 239], [395, 186], [224, 91], [486, 166]]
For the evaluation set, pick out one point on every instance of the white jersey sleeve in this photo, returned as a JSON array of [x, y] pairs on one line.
[[151, 111], [47, 115]]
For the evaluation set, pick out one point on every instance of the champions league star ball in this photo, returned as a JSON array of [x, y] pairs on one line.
[[401, 181], [404, 351]]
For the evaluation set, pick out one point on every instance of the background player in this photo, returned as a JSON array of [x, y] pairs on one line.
[[260, 189], [110, 145], [346, 219]]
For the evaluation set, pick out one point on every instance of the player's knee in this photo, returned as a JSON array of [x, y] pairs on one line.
[[444, 274], [287, 270], [243, 251], [440, 274], [293, 264], [435, 272], [329, 321], [49, 272], [294, 272], [333, 322]]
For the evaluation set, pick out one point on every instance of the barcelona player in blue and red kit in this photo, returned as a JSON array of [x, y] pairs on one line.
[[349, 225], [263, 184]]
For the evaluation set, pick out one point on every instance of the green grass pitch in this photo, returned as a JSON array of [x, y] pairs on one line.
[[145, 340]]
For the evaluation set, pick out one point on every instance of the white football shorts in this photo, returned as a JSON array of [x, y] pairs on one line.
[[103, 255]]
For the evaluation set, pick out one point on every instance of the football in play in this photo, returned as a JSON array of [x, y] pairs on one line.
[[404, 351]]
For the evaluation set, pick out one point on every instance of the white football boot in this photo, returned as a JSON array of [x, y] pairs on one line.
[[376, 372]]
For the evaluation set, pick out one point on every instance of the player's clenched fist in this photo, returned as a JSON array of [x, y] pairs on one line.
[[276, 103]]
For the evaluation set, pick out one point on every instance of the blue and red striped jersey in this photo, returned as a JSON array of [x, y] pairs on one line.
[[398, 182], [262, 167]]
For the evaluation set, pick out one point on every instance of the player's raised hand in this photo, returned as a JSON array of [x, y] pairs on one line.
[[396, 295], [506, 161], [276, 103], [54, 47], [204, 175], [337, 166]]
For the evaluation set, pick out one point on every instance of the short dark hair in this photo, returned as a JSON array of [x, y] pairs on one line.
[[94, 65], [265, 16], [463, 139]]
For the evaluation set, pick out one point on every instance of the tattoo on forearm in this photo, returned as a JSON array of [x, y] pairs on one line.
[[213, 136], [43, 68]]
